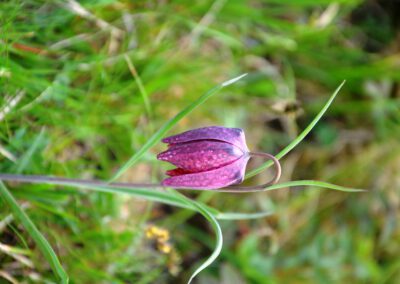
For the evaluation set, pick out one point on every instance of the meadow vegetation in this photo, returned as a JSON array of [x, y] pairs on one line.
[[85, 84]]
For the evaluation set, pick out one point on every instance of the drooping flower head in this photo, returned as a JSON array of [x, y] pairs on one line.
[[206, 158]]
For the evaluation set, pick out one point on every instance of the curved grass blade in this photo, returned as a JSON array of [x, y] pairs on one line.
[[151, 195], [174, 200], [313, 183], [219, 240], [39, 239], [169, 124], [299, 138], [216, 227]]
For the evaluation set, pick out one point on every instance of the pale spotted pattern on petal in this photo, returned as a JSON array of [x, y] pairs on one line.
[[213, 179], [202, 155], [233, 136]]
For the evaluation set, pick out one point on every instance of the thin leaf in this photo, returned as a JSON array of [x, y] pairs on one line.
[[24, 161], [139, 83], [171, 123], [242, 216], [299, 138], [314, 183], [39, 239], [144, 193], [217, 230]]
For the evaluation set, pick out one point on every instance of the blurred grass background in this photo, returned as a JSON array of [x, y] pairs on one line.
[[71, 106]]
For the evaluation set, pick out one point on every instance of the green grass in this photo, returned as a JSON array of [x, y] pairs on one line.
[[91, 101], [35, 234], [178, 200]]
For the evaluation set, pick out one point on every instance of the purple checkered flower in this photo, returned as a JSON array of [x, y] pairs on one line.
[[206, 158]]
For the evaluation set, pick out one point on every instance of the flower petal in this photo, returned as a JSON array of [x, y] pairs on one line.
[[200, 156], [233, 136], [213, 179]]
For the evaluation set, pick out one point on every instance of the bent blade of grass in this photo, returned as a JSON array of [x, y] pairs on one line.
[[299, 138], [171, 197], [219, 240], [169, 124], [39, 239], [216, 227], [313, 183], [173, 200], [156, 196]]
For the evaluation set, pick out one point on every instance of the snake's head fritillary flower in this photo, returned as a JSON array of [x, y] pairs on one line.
[[206, 158]]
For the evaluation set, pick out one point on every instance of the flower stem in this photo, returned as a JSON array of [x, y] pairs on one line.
[[84, 182], [74, 182], [261, 187]]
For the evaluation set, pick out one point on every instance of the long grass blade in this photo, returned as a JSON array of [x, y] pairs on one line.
[[39, 239], [134, 190], [217, 230], [313, 183], [242, 216], [299, 138]]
